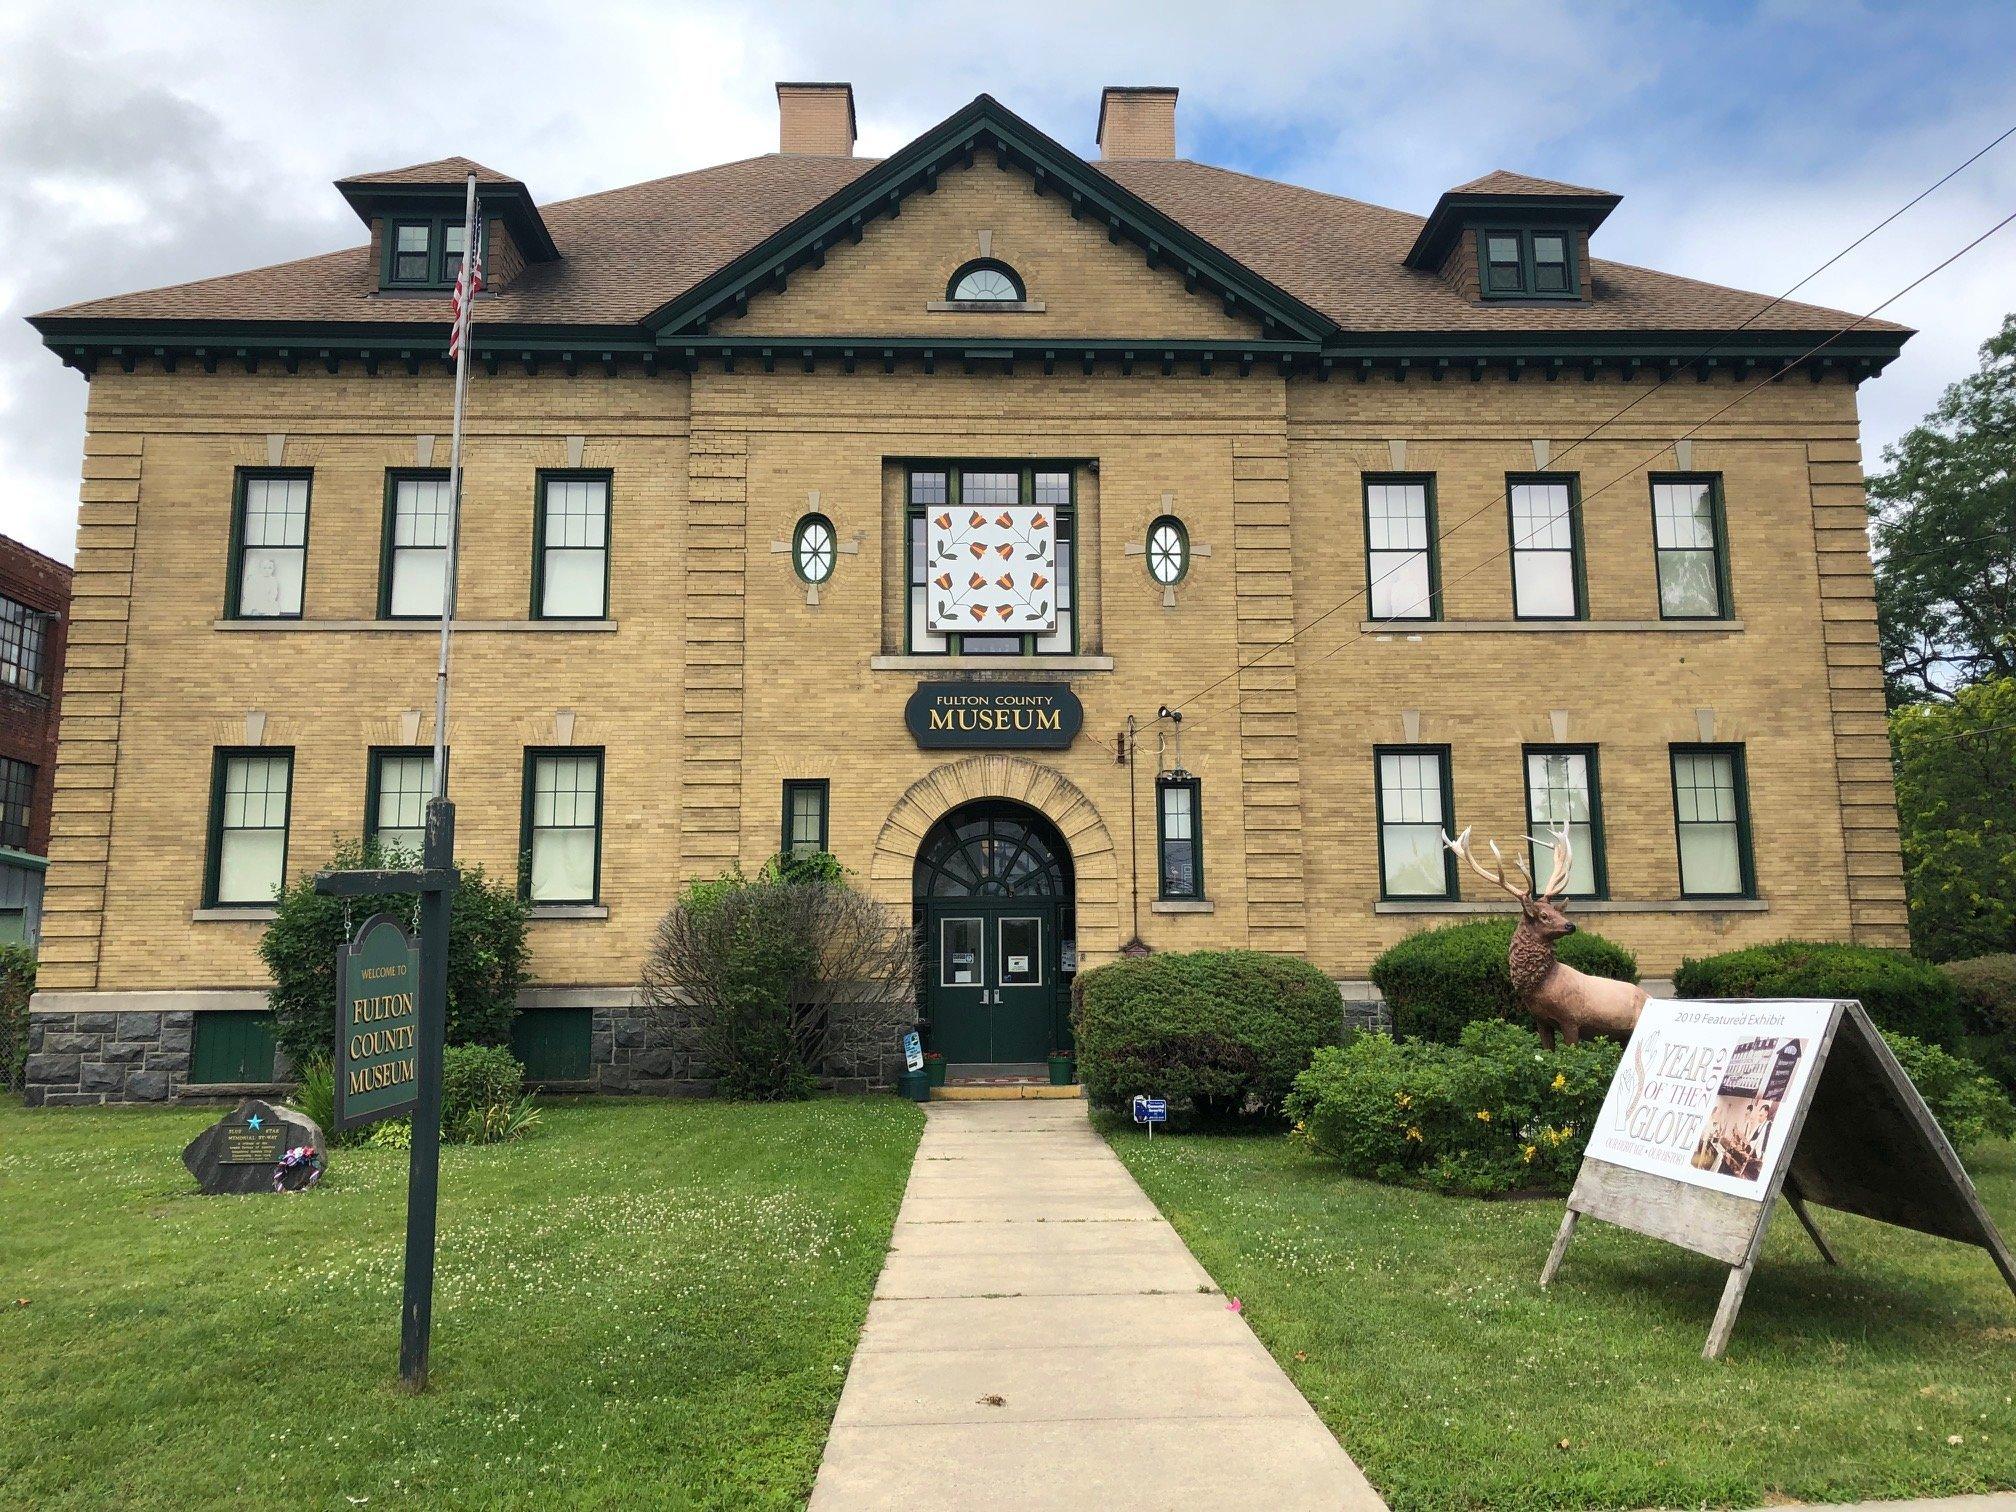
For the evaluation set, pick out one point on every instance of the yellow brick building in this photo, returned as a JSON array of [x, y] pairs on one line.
[[1415, 523]]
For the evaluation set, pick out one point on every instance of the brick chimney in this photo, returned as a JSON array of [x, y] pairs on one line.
[[816, 119], [1137, 121]]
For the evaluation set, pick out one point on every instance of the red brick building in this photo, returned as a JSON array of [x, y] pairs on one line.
[[34, 618]]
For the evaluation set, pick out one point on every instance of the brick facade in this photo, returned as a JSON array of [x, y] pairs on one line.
[[28, 724]]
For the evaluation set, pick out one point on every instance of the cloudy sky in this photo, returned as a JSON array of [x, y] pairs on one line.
[[147, 144]]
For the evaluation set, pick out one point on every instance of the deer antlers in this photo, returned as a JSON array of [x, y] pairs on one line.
[[1557, 876]]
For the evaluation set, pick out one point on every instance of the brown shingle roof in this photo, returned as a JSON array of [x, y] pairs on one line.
[[629, 251], [1503, 181], [448, 170]]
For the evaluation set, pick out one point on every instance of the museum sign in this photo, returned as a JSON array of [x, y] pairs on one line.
[[966, 716]]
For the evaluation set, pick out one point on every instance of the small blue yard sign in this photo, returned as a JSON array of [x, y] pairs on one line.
[[1150, 1111], [913, 1052]]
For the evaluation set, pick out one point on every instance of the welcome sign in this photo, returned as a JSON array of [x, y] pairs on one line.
[[377, 1024], [992, 569], [1705, 1090], [953, 716]]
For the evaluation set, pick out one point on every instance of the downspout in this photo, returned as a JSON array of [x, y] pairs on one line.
[[1135, 945]]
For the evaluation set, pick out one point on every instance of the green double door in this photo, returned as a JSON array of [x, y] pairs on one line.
[[991, 978]]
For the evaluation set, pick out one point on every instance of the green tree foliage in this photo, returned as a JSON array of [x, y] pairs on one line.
[[487, 956], [1945, 534], [17, 985], [1438, 980], [1956, 807]]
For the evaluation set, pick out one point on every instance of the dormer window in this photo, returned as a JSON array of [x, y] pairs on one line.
[[986, 282], [1522, 264], [424, 253]]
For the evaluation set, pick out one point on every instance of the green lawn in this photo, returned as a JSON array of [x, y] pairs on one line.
[[644, 1303], [1416, 1326]]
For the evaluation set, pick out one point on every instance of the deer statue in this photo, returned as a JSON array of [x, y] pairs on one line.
[[1561, 999]]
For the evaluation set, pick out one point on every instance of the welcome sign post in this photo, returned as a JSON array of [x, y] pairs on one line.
[[1718, 1108], [377, 1024]]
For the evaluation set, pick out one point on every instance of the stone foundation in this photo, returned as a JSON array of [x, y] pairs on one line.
[[77, 1059], [632, 1049]]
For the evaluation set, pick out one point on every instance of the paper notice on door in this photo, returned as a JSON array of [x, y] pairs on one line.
[[1018, 964]]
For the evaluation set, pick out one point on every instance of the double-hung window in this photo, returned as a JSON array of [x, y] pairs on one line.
[[934, 488], [1179, 836], [805, 803], [1546, 547], [562, 830], [1689, 537], [1711, 810], [17, 800], [1561, 789], [570, 573], [1414, 812], [269, 545], [23, 633], [395, 809], [249, 791], [423, 253], [414, 575], [1400, 567], [1523, 264]]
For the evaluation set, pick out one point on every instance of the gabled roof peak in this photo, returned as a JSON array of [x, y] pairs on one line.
[[1504, 181], [430, 188], [448, 170]]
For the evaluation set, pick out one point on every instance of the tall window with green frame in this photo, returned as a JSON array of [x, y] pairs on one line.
[[1711, 814], [269, 544], [1561, 789], [561, 840], [414, 572], [932, 488], [1401, 573], [570, 569], [1689, 537], [17, 802], [250, 791], [401, 780], [1179, 837], [1546, 532], [805, 817], [1414, 803]]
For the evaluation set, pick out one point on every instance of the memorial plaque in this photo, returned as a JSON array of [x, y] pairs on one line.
[[377, 1024], [258, 1137], [241, 1152]]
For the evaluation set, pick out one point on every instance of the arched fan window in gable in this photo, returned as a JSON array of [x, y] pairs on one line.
[[986, 281]]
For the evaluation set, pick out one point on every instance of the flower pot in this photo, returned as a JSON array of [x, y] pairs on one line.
[[1062, 1070], [934, 1069]]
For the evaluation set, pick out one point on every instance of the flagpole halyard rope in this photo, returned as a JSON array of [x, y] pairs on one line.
[[468, 279]]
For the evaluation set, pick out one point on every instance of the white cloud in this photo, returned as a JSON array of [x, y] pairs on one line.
[[147, 144]]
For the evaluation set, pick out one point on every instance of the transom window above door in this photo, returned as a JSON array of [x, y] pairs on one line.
[[1011, 533]]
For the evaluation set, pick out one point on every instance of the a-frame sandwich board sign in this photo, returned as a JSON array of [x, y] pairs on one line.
[[1718, 1107]]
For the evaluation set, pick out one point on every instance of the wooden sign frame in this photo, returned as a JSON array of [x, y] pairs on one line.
[[1860, 1140]]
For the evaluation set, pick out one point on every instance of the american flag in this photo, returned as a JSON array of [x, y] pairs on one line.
[[467, 283]]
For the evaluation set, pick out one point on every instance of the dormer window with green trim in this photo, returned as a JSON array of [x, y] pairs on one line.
[[1528, 264], [423, 252]]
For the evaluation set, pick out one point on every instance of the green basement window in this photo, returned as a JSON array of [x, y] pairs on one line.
[[423, 253], [1561, 789], [805, 816], [813, 548], [1689, 536], [249, 796], [1546, 548], [1415, 810], [414, 573], [1402, 575], [1528, 264], [1168, 551], [401, 781], [1179, 837], [933, 488], [562, 829], [554, 1044], [269, 545], [570, 547], [23, 634], [17, 801], [232, 1047], [1711, 810]]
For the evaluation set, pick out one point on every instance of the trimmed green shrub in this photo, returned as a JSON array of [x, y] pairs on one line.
[[487, 956], [1987, 989], [1903, 995], [1439, 980], [483, 1100], [1491, 1113], [17, 985], [1967, 1102], [1223, 1031]]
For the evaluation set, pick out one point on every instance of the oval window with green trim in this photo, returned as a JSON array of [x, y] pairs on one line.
[[812, 548], [1168, 551]]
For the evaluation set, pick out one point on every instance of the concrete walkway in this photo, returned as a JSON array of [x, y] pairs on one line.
[[1041, 1338]]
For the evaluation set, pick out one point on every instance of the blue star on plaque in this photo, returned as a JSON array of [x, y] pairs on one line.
[[254, 1121]]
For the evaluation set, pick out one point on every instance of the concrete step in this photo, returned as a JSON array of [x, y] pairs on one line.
[[1002, 1092]]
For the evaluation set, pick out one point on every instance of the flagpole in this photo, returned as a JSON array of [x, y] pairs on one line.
[[469, 250]]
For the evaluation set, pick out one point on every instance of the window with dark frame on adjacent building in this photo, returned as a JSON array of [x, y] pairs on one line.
[[416, 547], [1414, 813], [1179, 837], [1711, 814], [17, 802], [23, 636], [805, 817], [1561, 789], [269, 536], [250, 792], [1546, 549], [563, 826], [401, 782], [930, 488], [1400, 566], [1689, 540], [571, 567]]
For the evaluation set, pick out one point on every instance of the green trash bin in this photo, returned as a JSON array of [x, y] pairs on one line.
[[1062, 1068], [914, 1085]]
